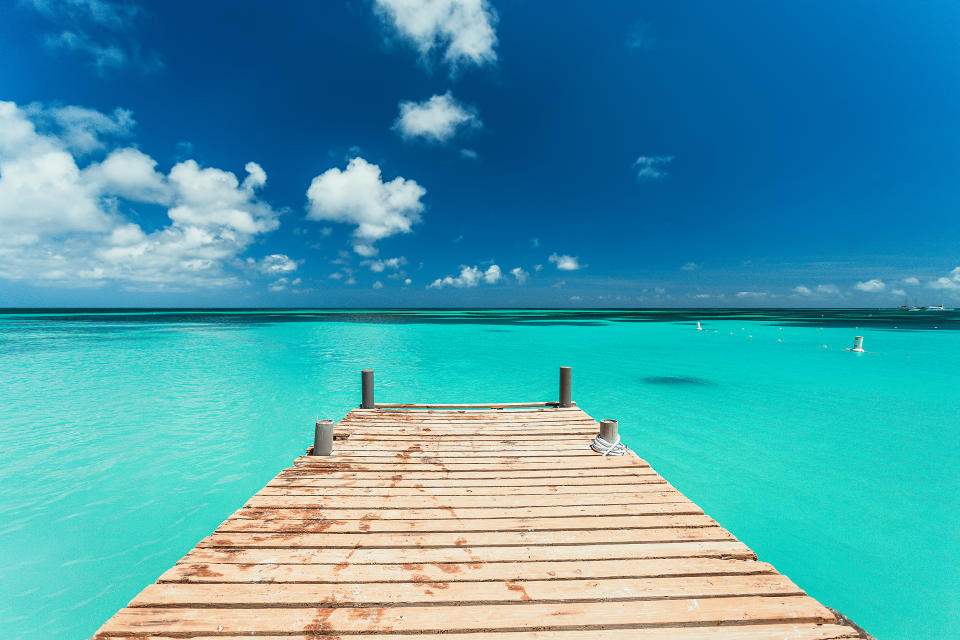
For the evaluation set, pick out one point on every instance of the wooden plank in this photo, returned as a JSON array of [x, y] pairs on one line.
[[501, 405], [492, 617], [352, 473], [708, 549], [443, 592], [679, 506], [459, 502], [391, 540], [791, 631], [460, 525], [465, 571], [413, 483], [554, 489]]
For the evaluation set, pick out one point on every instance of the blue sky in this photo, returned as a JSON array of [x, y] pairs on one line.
[[472, 153]]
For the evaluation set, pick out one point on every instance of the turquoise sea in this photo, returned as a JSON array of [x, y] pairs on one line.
[[127, 436]]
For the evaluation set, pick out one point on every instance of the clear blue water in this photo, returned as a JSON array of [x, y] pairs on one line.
[[127, 437]]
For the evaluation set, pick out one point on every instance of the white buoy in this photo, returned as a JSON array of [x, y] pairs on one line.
[[857, 344], [699, 328]]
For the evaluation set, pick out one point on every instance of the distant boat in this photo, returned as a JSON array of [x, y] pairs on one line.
[[916, 307]]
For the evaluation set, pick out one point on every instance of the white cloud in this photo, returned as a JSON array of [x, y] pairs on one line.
[[702, 296], [407, 281], [949, 283], [468, 277], [469, 154], [462, 29], [690, 266], [565, 262], [911, 281], [378, 266], [65, 225], [575, 298], [436, 119], [276, 263], [651, 167], [357, 195], [82, 130], [519, 274], [378, 285], [871, 286], [899, 292], [751, 294], [819, 290]]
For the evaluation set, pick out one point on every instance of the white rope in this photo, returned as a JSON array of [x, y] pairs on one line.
[[603, 447]]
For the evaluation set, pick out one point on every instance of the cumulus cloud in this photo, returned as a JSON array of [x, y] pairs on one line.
[[378, 285], [378, 266], [949, 283], [65, 223], [436, 119], [468, 277], [752, 294], [871, 286], [519, 274], [463, 30], [469, 154], [274, 264], [651, 167], [690, 266], [820, 289], [358, 196], [911, 281], [565, 262]]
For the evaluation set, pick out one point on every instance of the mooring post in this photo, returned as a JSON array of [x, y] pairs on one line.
[[566, 382], [366, 385], [323, 438], [608, 430]]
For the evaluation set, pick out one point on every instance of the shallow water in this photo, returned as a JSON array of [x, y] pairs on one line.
[[127, 437]]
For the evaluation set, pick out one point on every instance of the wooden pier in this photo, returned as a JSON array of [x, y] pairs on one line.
[[464, 523]]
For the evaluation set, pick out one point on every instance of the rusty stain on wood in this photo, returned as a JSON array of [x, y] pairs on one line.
[[462, 523]]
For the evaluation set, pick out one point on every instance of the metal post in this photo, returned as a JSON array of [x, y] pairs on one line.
[[566, 382], [323, 438], [608, 430], [366, 384]]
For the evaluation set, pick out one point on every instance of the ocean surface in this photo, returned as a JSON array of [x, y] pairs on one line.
[[127, 436]]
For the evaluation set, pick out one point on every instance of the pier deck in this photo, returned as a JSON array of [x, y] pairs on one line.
[[470, 524]]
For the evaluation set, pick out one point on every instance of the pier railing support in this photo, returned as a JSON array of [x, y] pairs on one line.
[[366, 385], [323, 438], [608, 430], [566, 384]]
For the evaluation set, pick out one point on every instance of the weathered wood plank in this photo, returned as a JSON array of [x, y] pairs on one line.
[[708, 549], [457, 502], [371, 539], [791, 631], [679, 506], [463, 571], [440, 618], [443, 592], [554, 489], [461, 525]]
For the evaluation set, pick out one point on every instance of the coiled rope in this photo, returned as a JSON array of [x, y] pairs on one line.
[[603, 447]]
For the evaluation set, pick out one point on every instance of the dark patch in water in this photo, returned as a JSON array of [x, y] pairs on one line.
[[677, 380]]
